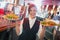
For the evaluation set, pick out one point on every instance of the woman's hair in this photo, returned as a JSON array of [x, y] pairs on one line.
[[30, 6]]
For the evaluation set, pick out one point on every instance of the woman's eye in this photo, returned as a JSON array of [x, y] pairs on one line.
[[32, 10]]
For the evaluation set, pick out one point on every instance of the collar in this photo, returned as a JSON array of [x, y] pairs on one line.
[[31, 18]]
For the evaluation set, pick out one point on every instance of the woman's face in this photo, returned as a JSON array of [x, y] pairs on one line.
[[33, 12]]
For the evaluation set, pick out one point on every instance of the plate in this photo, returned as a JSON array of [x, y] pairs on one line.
[[48, 23]]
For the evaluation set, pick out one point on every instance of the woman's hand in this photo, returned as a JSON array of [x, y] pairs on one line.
[[17, 27], [42, 34]]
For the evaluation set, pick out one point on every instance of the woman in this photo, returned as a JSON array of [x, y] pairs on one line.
[[30, 27]]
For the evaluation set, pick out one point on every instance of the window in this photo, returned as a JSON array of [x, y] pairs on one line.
[[9, 1], [3, 3], [17, 10], [21, 2]]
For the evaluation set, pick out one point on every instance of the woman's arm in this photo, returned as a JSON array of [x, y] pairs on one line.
[[42, 34], [19, 27]]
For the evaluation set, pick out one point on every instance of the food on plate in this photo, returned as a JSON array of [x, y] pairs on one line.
[[11, 16], [48, 23], [59, 25], [51, 23]]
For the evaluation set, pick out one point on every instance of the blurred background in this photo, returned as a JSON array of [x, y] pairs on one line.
[[43, 6]]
